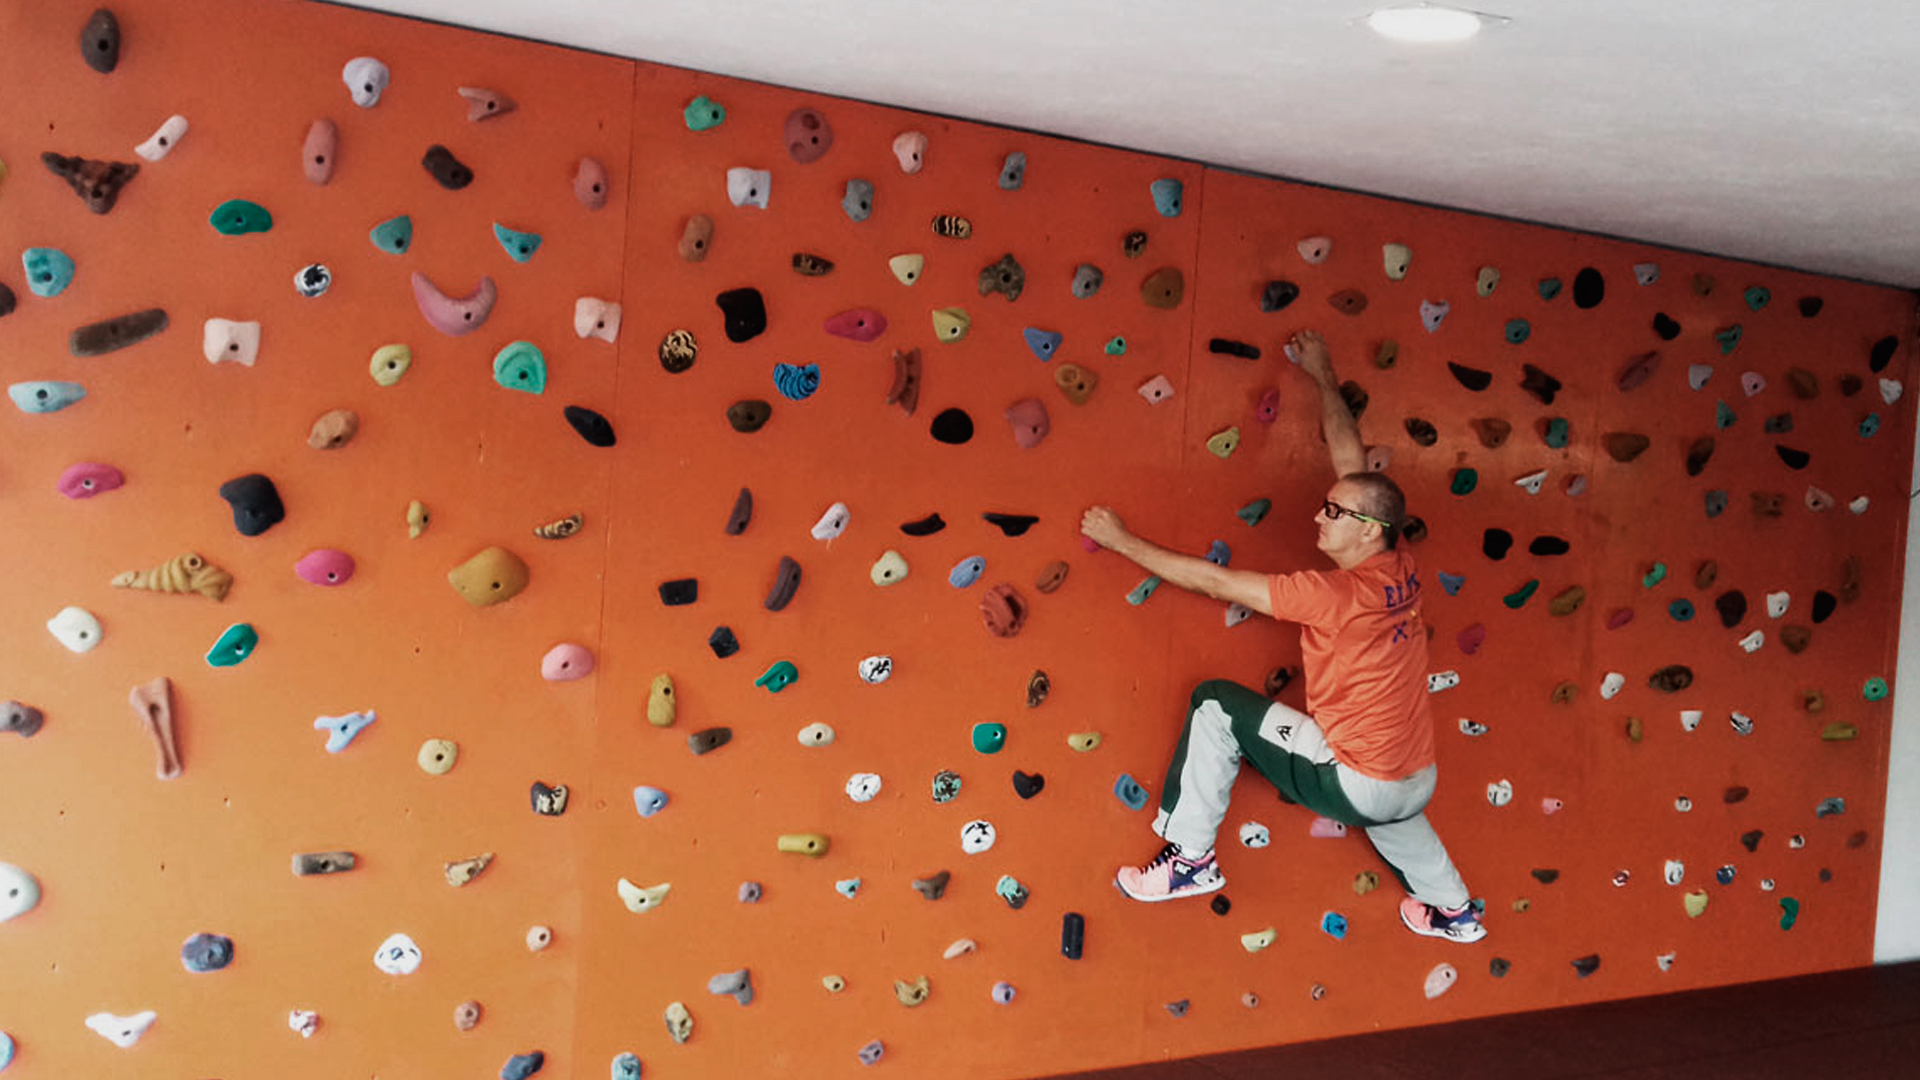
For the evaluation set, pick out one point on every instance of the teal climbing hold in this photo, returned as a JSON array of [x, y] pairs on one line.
[[1518, 599], [6, 1050], [341, 729], [1722, 415], [1518, 331], [1042, 342], [1757, 297], [44, 395], [1166, 196], [519, 366], [1129, 791], [1254, 512], [989, 738], [1464, 481], [519, 246], [1875, 689], [394, 235], [847, 887], [234, 645], [1654, 576], [237, 217], [1729, 338], [1789, 912], [1557, 433], [1144, 590], [1549, 288], [49, 271], [1681, 610], [1008, 888], [1870, 426], [1117, 346], [778, 677], [704, 114]]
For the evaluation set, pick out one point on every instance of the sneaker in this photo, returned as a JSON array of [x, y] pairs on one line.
[[1454, 924], [1170, 876]]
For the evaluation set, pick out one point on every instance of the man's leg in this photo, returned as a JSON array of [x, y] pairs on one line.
[[1439, 904], [1193, 802]]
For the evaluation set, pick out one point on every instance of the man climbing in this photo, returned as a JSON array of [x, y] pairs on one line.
[[1365, 755]]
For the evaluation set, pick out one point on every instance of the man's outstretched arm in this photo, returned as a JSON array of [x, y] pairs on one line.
[[1105, 528], [1336, 420]]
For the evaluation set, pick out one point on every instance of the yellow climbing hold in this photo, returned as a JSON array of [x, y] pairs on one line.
[[660, 706], [437, 756], [1695, 902], [183, 573], [911, 993], [951, 324], [1839, 732], [389, 363], [416, 519], [1084, 741], [812, 844], [1224, 443], [833, 983], [908, 268], [1257, 940], [639, 900], [1365, 882]]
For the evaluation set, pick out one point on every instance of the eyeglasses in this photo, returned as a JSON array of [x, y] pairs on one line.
[[1335, 511]]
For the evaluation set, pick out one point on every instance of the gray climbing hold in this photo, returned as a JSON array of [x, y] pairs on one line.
[[548, 801], [627, 1066], [749, 892], [870, 1053], [708, 740], [521, 1066], [1086, 280], [946, 786], [100, 42], [206, 952], [739, 984], [934, 887], [966, 572], [1006, 277], [313, 863], [1129, 792], [366, 79], [858, 202], [107, 335], [22, 720], [1013, 171]]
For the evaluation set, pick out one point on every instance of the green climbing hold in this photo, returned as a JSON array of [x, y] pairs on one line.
[[1464, 481], [1722, 415], [1729, 338], [1789, 912], [1517, 600], [393, 236], [778, 677], [989, 738], [704, 114], [1757, 297], [519, 246], [1518, 331], [1143, 590], [1875, 689], [1117, 346], [1557, 433], [1549, 288], [1254, 512], [1655, 576], [520, 366], [235, 645], [236, 217]]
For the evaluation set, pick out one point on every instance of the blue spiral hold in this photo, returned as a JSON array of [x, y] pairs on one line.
[[796, 383]]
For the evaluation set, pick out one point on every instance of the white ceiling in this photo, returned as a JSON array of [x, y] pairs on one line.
[[1784, 131]]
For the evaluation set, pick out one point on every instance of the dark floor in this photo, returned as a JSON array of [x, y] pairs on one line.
[[1837, 1026]]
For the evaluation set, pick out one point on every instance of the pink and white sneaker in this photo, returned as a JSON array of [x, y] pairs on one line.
[[1170, 876], [1462, 924]]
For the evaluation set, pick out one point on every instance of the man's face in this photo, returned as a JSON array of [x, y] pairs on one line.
[[1347, 532]]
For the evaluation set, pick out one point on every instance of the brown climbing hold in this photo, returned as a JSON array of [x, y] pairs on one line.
[[1348, 301], [1703, 285], [1422, 432], [1133, 244], [678, 351], [1387, 355], [1038, 686], [1699, 454], [184, 573], [1563, 694], [1076, 382], [1796, 639], [1850, 384], [1850, 579], [154, 704], [1164, 288], [1638, 370], [1355, 397], [107, 335], [1493, 432], [1635, 729], [561, 529], [1814, 701], [1769, 503], [466, 1015], [1538, 383], [1276, 681], [905, 391], [952, 226], [98, 183], [1568, 601], [1671, 679], [1706, 574], [334, 430], [464, 870], [1624, 446], [1005, 277], [810, 265], [1839, 731], [1734, 794], [1804, 384], [1003, 610], [1052, 576], [493, 576], [1365, 882], [749, 415], [1545, 875], [696, 238], [1414, 529]]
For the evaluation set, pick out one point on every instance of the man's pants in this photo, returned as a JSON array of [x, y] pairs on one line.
[[1229, 722]]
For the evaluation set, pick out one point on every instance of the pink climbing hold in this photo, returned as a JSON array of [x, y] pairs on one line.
[[1326, 829], [325, 566], [449, 315], [590, 183], [88, 478], [1472, 638], [1619, 618], [1028, 418], [859, 324], [319, 151], [1093, 548], [566, 661], [1269, 408], [1551, 805]]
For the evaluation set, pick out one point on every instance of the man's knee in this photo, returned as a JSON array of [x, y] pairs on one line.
[[1220, 691]]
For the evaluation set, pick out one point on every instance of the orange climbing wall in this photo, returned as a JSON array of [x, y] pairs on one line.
[[131, 866]]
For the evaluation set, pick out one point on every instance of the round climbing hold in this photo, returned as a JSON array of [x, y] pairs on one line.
[[437, 756], [875, 670], [678, 351], [1875, 689], [977, 836], [946, 786], [565, 662], [749, 415], [325, 566], [966, 572], [796, 383], [1464, 481], [1164, 288], [520, 366], [206, 952], [989, 738], [397, 955], [1589, 288], [953, 427]]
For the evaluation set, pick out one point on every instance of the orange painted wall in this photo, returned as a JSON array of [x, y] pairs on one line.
[[131, 865]]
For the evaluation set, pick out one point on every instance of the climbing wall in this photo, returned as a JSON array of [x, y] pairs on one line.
[[828, 401]]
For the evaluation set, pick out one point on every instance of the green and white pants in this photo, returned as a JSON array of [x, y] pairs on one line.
[[1229, 723]]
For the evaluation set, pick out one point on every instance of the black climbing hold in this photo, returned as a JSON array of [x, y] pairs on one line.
[[1826, 874], [1823, 604], [96, 339], [256, 503], [521, 1066], [1810, 306], [1229, 347], [446, 169], [1027, 786], [749, 416], [1779, 424], [1751, 840], [1546, 876], [593, 427], [1414, 528], [1671, 679], [722, 642], [1589, 288], [953, 427], [1073, 935], [1277, 295], [1548, 545], [100, 42], [742, 513], [1473, 379], [1277, 681], [1538, 383], [1587, 965], [1220, 904], [712, 738], [8, 301], [1496, 543], [745, 312], [1010, 524], [1355, 397], [786, 579], [1882, 354], [1794, 459], [1422, 432], [926, 526], [1699, 454], [1499, 966], [547, 801], [680, 591], [1664, 325], [1732, 606]]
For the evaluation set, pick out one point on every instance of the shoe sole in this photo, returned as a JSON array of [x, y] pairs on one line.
[[1198, 890], [1442, 934]]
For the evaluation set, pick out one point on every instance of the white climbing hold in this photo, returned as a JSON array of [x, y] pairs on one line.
[[907, 268], [1472, 728], [366, 79], [1890, 390], [875, 670], [227, 341], [1254, 835], [1257, 940], [1500, 792], [304, 1021], [889, 569], [1665, 961], [1817, 500], [122, 1031], [1777, 603], [639, 900], [1683, 804], [76, 628], [1440, 980], [1674, 872], [1238, 613], [1742, 723], [162, 142], [397, 955], [833, 522], [1859, 505], [959, 948], [1315, 249], [862, 787], [1442, 680], [1690, 719], [1532, 482], [1612, 685], [538, 938], [749, 187], [596, 318], [1698, 374], [1753, 641], [815, 735], [977, 836]]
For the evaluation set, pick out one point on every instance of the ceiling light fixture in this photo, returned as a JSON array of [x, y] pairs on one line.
[[1427, 24]]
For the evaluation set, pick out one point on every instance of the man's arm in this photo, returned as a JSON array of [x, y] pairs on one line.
[[1193, 574], [1336, 420]]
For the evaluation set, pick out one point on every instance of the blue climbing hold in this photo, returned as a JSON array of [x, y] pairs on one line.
[[626, 1067], [1830, 806], [1166, 196], [1722, 415], [1008, 888], [341, 729], [704, 114], [778, 677], [206, 952], [519, 246], [1042, 342], [1724, 875], [6, 1049], [49, 270], [649, 800], [519, 366], [1870, 426], [1549, 288], [1218, 553], [1129, 791], [847, 887], [1518, 331], [1335, 924], [393, 236], [1681, 610], [966, 572], [1451, 582], [796, 383], [234, 645], [521, 1066], [45, 396]]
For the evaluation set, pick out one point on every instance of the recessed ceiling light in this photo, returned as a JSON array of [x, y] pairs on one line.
[[1429, 23]]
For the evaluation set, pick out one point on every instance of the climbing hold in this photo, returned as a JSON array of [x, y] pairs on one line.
[[1589, 288], [1671, 679], [857, 324], [394, 236], [1890, 390], [590, 183], [1440, 980], [1476, 380], [342, 729], [1451, 582], [388, 364], [450, 315], [121, 1031], [1164, 288], [466, 1015], [334, 429], [1875, 689], [397, 955], [562, 528], [49, 271], [463, 871], [437, 756], [1433, 313], [1230, 347], [183, 573], [951, 324], [492, 576], [1041, 342], [98, 183], [100, 42], [905, 391], [325, 566], [1729, 339], [1087, 279], [519, 246], [447, 171], [1538, 383], [153, 702], [809, 265], [952, 226], [108, 335], [649, 800], [1624, 446], [796, 383], [1792, 458], [1129, 792], [858, 201], [1144, 590], [709, 739], [749, 415], [737, 984], [1500, 792], [977, 836], [22, 720], [521, 1066], [547, 802], [778, 677], [75, 628], [639, 900], [1694, 903], [989, 738], [237, 217], [745, 314], [318, 153], [566, 662], [1568, 601], [206, 952], [597, 430], [1222, 444], [1076, 382], [1465, 480], [1005, 277]]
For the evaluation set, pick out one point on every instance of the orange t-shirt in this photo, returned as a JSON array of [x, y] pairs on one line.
[[1365, 653]]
